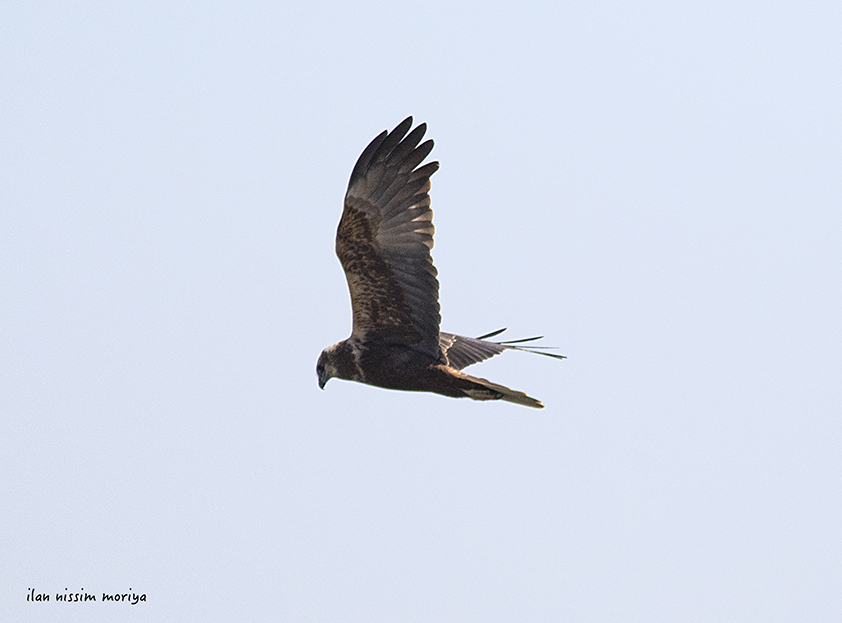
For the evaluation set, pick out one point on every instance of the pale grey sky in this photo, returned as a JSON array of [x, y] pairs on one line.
[[653, 186]]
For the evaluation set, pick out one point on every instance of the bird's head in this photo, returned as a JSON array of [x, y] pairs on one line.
[[326, 367]]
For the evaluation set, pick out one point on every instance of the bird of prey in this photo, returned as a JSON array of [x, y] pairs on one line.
[[383, 242]]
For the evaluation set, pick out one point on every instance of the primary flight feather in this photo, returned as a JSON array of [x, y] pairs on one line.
[[383, 242]]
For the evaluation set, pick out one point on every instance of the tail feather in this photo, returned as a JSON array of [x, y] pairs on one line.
[[483, 389]]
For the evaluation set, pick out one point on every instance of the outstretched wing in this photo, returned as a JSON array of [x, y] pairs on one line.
[[463, 351], [384, 241]]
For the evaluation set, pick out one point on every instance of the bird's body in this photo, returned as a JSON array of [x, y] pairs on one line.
[[383, 242]]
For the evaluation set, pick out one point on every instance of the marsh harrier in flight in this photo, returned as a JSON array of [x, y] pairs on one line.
[[383, 242]]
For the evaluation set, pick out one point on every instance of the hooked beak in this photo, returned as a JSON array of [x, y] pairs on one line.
[[322, 380]]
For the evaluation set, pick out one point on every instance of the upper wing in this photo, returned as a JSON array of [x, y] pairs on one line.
[[384, 241], [463, 351]]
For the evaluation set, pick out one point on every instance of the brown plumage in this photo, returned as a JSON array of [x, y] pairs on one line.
[[383, 242]]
